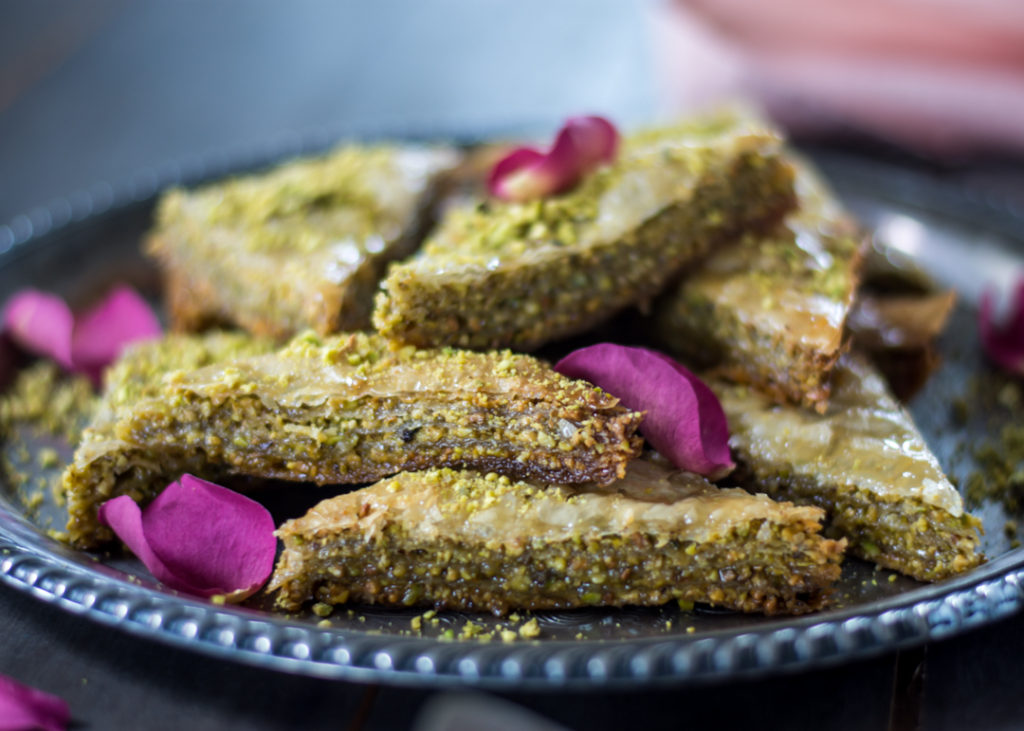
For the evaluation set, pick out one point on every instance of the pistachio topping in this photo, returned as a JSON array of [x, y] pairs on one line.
[[508, 274], [469, 540], [302, 245], [771, 310]]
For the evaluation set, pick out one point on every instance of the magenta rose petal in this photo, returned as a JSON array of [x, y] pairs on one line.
[[1003, 342], [103, 332], [592, 140], [42, 324], [684, 421], [582, 144], [124, 516], [199, 538], [511, 179], [23, 707], [212, 536]]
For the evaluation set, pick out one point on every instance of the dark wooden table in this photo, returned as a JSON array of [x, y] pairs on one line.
[[110, 90]]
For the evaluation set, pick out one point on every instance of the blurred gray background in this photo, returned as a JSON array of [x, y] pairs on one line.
[[108, 90]]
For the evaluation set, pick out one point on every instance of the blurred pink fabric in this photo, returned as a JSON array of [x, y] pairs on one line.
[[946, 76]]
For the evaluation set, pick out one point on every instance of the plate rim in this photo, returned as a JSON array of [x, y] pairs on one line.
[[786, 644], [983, 595]]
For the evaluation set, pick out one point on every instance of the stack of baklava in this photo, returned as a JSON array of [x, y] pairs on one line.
[[384, 349]]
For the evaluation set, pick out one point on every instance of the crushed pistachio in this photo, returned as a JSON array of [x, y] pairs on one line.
[[48, 457], [340, 183], [53, 403], [521, 274], [1000, 469], [530, 629]]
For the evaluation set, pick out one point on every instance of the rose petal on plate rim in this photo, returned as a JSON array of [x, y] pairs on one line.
[[124, 516], [43, 324], [684, 420]]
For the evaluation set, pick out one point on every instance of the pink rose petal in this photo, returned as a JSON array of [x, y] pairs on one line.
[[582, 144], [198, 537], [23, 708], [101, 334], [518, 176], [684, 420], [593, 140], [1004, 342], [42, 324], [124, 516]]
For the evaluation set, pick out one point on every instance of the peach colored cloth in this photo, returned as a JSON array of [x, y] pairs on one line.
[[946, 75]]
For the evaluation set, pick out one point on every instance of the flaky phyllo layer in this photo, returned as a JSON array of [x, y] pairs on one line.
[[467, 540], [522, 274], [770, 311], [865, 462], [352, 409], [300, 246]]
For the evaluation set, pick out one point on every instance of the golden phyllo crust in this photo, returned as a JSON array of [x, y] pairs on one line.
[[105, 466], [771, 310], [474, 541], [352, 409], [865, 463], [521, 274], [300, 246]]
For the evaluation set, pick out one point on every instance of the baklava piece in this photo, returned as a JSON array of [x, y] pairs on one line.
[[470, 541], [302, 246], [521, 274], [865, 463], [105, 466], [770, 311], [350, 409]]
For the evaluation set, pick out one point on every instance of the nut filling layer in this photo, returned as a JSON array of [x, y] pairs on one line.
[[351, 409], [463, 540]]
